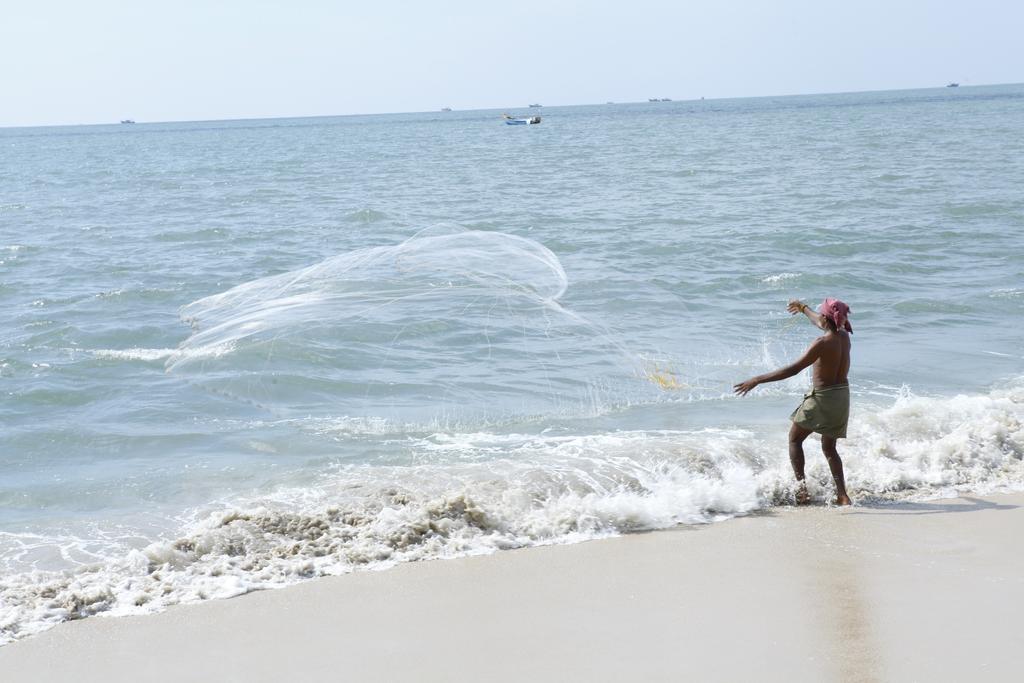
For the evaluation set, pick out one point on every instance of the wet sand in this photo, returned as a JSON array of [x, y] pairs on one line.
[[919, 591]]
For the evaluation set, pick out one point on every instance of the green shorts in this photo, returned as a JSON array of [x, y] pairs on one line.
[[825, 411]]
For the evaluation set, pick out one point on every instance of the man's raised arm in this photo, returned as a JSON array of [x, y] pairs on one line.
[[796, 306]]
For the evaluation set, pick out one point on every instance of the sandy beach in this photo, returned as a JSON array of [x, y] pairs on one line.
[[918, 591]]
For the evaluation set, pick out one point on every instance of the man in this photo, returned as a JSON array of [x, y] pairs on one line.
[[826, 409]]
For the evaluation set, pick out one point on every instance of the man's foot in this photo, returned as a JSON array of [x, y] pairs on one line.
[[843, 500], [802, 497]]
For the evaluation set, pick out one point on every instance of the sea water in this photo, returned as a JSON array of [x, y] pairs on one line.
[[234, 355]]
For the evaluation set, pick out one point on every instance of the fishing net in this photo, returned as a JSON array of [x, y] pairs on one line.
[[449, 325]]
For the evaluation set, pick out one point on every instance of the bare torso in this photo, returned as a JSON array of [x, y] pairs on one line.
[[833, 363]]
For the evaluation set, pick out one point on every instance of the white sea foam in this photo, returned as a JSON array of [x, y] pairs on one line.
[[150, 355], [133, 354], [779, 278], [480, 492]]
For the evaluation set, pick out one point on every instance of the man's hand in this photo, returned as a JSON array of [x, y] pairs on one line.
[[744, 388], [796, 306]]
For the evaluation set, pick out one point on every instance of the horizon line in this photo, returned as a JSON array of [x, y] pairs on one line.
[[437, 111]]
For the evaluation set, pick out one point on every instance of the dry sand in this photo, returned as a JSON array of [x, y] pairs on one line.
[[927, 591]]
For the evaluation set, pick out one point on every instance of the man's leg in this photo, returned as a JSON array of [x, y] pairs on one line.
[[797, 434], [828, 447]]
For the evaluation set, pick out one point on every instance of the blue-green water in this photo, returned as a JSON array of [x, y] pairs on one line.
[[445, 335]]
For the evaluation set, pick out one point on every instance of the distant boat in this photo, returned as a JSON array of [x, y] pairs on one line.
[[446, 108], [665, 99], [653, 99], [952, 85], [127, 121], [536, 106], [520, 121]]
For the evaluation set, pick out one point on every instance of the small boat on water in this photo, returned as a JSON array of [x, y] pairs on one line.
[[521, 120], [536, 106], [952, 85], [127, 121], [446, 108]]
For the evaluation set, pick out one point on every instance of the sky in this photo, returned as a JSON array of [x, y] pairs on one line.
[[68, 61]]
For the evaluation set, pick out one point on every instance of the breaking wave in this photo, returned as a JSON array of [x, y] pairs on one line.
[[481, 492]]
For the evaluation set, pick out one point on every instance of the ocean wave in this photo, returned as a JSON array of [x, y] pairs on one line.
[[481, 492], [779, 278], [172, 355], [366, 215]]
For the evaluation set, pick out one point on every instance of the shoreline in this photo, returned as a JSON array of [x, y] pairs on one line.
[[907, 591]]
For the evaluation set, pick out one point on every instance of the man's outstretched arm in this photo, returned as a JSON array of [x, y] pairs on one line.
[[796, 306], [812, 354]]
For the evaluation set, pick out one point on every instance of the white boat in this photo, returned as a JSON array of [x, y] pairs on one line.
[[521, 120]]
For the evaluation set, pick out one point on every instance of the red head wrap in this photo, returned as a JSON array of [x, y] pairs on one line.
[[838, 312]]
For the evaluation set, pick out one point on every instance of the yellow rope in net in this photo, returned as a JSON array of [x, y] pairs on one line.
[[666, 378]]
